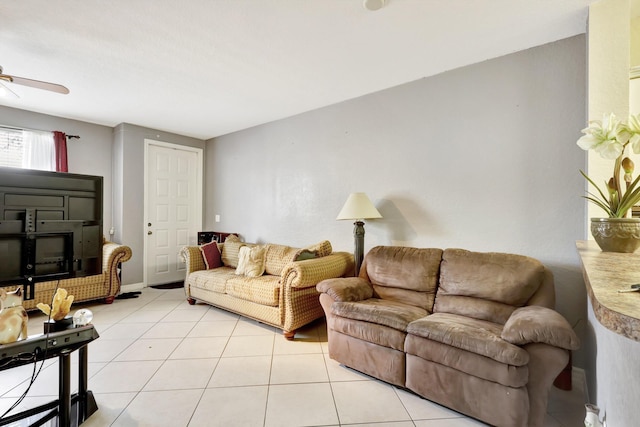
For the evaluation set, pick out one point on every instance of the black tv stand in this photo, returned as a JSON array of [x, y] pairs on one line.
[[71, 410]]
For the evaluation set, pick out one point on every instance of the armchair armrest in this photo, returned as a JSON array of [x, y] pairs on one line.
[[192, 256], [535, 324], [307, 273], [346, 289]]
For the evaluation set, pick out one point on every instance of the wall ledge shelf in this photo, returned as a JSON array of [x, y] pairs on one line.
[[604, 274]]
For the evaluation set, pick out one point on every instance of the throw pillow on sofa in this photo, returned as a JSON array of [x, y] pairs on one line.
[[211, 255], [305, 254], [251, 261], [320, 249], [230, 250], [314, 251]]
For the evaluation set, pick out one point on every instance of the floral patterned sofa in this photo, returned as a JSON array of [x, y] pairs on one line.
[[274, 284]]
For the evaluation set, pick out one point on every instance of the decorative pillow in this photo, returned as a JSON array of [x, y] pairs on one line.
[[305, 254], [230, 250], [211, 255], [539, 324], [251, 261], [320, 249]]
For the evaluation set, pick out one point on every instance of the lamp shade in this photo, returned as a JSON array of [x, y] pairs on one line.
[[358, 206]]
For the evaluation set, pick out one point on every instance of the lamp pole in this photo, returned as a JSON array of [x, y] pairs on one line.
[[358, 207], [358, 239]]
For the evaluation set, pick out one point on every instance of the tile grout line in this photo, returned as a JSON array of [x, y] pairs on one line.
[[137, 393]]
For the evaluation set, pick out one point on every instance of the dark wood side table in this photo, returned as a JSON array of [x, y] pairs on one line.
[[56, 344]]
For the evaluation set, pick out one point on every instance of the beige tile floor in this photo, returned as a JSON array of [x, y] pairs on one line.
[[162, 362]]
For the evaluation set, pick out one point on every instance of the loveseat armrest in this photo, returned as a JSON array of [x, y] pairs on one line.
[[308, 273], [536, 324], [346, 289], [192, 257], [114, 254]]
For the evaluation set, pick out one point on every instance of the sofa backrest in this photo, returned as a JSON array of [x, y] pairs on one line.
[[490, 286], [279, 256], [403, 274]]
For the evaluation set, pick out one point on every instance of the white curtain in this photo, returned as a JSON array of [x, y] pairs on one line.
[[38, 150]]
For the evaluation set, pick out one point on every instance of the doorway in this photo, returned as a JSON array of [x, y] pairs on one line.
[[172, 208]]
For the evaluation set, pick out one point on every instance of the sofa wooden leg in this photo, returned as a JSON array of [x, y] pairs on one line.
[[191, 301], [289, 335], [109, 300]]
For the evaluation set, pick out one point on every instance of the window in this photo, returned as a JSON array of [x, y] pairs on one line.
[[27, 149], [11, 147]]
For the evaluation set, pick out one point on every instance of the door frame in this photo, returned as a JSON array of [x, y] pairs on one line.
[[199, 190]]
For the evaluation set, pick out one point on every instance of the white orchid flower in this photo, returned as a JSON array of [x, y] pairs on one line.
[[633, 127], [606, 137], [609, 138], [609, 149]]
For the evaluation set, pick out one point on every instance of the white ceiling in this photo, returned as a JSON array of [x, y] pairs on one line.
[[204, 68]]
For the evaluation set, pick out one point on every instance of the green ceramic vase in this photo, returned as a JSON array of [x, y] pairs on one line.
[[616, 234]]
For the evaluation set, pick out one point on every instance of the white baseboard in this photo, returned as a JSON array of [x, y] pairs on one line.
[[132, 287]]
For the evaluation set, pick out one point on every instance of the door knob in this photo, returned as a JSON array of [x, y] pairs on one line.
[[149, 232]]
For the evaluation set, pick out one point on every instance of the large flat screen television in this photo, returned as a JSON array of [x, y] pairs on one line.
[[50, 226]]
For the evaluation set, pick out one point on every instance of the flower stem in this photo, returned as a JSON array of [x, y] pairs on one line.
[[616, 178]]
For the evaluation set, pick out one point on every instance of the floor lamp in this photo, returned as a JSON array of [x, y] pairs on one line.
[[358, 207]]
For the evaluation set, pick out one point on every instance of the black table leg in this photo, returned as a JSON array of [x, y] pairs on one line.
[[83, 376], [86, 401], [64, 389]]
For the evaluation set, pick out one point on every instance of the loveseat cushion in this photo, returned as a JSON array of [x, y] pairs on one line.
[[212, 280], [473, 335], [263, 290], [393, 314], [467, 362], [486, 286], [403, 274], [370, 332]]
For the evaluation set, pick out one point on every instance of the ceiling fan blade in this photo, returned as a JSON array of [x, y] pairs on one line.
[[39, 84], [5, 92]]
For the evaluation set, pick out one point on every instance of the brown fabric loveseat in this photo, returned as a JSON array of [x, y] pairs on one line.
[[282, 293], [475, 332]]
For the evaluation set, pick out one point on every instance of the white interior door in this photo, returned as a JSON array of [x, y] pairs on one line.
[[173, 208]]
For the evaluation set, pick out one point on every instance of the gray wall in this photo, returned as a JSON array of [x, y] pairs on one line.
[[128, 191], [117, 154], [91, 154], [482, 157]]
